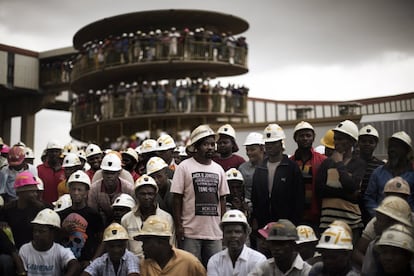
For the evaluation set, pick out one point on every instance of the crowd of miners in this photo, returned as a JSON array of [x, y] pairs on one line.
[[167, 208]]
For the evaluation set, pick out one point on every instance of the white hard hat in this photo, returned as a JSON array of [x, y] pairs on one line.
[[148, 145], [165, 142], [124, 200], [145, 180], [254, 138], [234, 216], [155, 226], [29, 153], [335, 237], [1, 201], [396, 208], [227, 130], [53, 144], [47, 217], [92, 149], [131, 152], [70, 148], [182, 151], [234, 174], [200, 132], [273, 133], [404, 137], [397, 185], [63, 202], [368, 130], [306, 234], [82, 154], [71, 160], [349, 128], [111, 162], [155, 164], [399, 236], [79, 177], [302, 125], [115, 231]]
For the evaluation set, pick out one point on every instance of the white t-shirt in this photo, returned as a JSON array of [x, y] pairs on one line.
[[201, 186], [45, 263]]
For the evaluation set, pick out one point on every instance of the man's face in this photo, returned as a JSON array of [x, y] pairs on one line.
[[224, 144], [119, 212], [150, 246], [335, 260], [95, 161], [146, 196], [29, 196], [273, 148], [304, 138], [282, 251], [69, 170], [53, 155], [236, 188], [206, 148], [110, 179], [367, 144], [78, 192], [396, 150], [42, 236], [160, 177], [166, 155], [115, 249], [234, 236], [128, 162], [254, 153], [342, 142]]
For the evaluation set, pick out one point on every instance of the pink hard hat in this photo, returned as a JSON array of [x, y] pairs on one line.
[[25, 181], [5, 149], [16, 156]]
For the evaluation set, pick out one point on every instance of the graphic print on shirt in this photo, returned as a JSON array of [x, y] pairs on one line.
[[205, 189], [78, 236]]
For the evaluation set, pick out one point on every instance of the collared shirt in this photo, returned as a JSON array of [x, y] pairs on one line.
[[103, 266], [133, 224], [220, 264], [269, 267], [182, 263]]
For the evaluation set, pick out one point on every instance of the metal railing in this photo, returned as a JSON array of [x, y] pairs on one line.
[[262, 110], [159, 51], [107, 107]]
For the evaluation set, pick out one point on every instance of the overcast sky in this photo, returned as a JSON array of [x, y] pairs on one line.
[[298, 50]]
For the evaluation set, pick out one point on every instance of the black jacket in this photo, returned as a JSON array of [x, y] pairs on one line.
[[288, 193]]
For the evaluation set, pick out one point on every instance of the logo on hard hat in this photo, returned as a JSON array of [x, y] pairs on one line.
[[109, 164], [368, 130], [114, 232]]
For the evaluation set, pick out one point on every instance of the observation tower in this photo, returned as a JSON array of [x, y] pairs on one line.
[[150, 70]]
